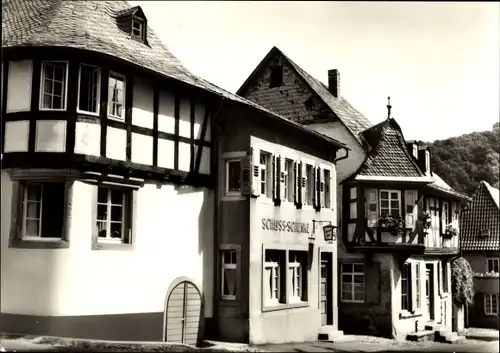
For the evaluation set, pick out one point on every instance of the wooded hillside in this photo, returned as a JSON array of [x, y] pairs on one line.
[[464, 161]]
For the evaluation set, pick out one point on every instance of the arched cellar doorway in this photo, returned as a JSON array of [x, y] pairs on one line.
[[183, 313]]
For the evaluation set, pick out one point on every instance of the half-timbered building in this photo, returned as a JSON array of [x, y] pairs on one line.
[[140, 202], [394, 273]]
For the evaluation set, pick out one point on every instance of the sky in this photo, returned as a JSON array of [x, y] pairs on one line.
[[439, 62]]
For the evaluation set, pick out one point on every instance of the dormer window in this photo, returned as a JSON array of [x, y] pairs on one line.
[[427, 162], [485, 232], [276, 76], [415, 151], [138, 27]]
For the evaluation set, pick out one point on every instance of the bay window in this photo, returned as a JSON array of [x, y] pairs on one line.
[[116, 96], [53, 85], [390, 203], [89, 89]]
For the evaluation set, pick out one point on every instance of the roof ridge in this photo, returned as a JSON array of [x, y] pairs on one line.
[[491, 190]]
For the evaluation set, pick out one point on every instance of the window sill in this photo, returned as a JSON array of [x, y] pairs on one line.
[[233, 197], [352, 301], [265, 200], [87, 113], [284, 306], [111, 246], [307, 207], [116, 118], [405, 314], [490, 314], [35, 244], [51, 110]]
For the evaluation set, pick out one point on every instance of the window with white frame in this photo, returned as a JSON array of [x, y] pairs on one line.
[[296, 276], [265, 174], [89, 89], [116, 96], [390, 203], [288, 182], [492, 265], [273, 277], [112, 215], [53, 86], [427, 162], [310, 185], [353, 282], [445, 214], [417, 284], [137, 27], [43, 210], [491, 304], [233, 177], [405, 287], [228, 275]]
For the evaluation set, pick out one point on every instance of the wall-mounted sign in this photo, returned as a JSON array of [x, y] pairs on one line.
[[285, 226]]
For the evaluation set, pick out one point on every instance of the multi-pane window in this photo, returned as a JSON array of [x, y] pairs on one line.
[[491, 304], [228, 275], [137, 27], [288, 180], [353, 282], [310, 185], [295, 274], [405, 287], [89, 87], [265, 170], [390, 203], [116, 96], [445, 214], [272, 270], [53, 90], [233, 177], [492, 265], [111, 214], [43, 211], [444, 269], [417, 284]]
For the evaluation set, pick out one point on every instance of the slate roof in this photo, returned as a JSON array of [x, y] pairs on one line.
[[440, 185], [482, 212], [91, 25], [387, 153], [350, 117]]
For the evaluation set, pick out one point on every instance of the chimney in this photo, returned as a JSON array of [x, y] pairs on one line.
[[334, 82]]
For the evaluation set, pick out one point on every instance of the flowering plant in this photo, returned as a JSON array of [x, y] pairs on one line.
[[426, 219], [450, 230], [394, 224]]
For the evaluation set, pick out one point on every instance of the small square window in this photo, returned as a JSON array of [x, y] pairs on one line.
[[233, 177], [276, 76]]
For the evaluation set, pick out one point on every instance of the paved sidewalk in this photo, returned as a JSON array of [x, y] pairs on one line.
[[482, 334]]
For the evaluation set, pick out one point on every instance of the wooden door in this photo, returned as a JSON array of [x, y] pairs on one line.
[[183, 314], [324, 292]]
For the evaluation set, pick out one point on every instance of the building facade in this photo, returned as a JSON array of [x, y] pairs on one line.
[[480, 225], [124, 216], [394, 275]]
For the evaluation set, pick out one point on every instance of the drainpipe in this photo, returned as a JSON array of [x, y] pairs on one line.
[[344, 157]]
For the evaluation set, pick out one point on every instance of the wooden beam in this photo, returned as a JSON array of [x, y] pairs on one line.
[[156, 106], [202, 138]]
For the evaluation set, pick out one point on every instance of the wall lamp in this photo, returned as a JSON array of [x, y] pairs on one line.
[[329, 231]]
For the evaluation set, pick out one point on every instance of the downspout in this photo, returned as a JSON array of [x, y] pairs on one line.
[[216, 141]]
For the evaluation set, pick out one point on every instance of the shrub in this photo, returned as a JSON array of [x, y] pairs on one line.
[[462, 282]]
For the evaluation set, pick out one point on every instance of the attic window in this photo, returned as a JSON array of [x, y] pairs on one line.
[[138, 27], [309, 104], [276, 76], [485, 232]]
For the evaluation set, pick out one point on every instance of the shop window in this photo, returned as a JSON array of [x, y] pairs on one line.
[[113, 215], [297, 276], [233, 177], [228, 275], [274, 276], [353, 282], [492, 265], [491, 304]]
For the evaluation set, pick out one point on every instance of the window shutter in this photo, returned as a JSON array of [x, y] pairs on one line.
[[255, 164], [303, 186], [131, 206], [275, 178], [332, 188], [246, 167], [411, 212], [372, 283], [282, 162], [412, 290], [439, 277], [372, 207], [297, 191], [321, 180], [453, 216], [313, 188]]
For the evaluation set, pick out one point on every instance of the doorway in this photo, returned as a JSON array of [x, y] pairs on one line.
[[183, 313], [429, 291], [326, 289]]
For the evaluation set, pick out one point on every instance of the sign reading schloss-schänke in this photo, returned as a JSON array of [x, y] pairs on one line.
[[285, 226]]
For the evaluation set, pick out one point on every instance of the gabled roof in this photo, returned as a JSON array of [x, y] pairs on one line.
[[347, 114], [92, 25], [440, 185], [130, 11], [482, 212], [387, 155]]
